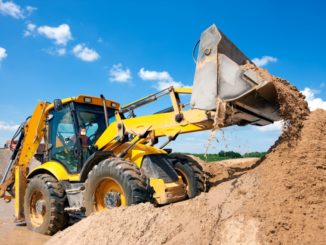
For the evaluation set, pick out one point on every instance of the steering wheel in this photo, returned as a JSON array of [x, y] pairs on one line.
[[92, 138], [68, 146]]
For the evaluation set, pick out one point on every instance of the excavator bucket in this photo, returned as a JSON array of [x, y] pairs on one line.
[[221, 74]]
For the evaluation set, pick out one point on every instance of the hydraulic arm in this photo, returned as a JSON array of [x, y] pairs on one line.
[[30, 135]]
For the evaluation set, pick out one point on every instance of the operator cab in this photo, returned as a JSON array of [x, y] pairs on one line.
[[74, 129]]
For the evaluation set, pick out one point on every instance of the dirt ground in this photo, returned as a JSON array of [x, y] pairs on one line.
[[10, 232], [13, 234], [280, 199], [182, 222]]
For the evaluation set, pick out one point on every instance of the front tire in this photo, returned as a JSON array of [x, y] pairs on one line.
[[113, 183], [191, 173], [44, 204]]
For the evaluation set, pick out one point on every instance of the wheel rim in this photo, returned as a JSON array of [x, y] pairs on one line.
[[109, 194], [37, 208], [184, 179]]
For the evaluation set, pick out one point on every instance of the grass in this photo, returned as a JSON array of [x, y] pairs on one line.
[[225, 155]]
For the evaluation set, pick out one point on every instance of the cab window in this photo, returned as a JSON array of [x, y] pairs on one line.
[[91, 124], [63, 139]]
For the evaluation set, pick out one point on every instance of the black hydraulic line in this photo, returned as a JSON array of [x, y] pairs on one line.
[[148, 99], [20, 132], [125, 151], [168, 141], [105, 110], [18, 145], [165, 143], [169, 109]]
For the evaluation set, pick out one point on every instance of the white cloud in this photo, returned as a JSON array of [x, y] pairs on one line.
[[118, 74], [84, 53], [165, 84], [154, 75], [163, 78], [8, 126], [313, 102], [3, 53], [265, 60], [58, 51], [30, 29], [30, 9], [11, 9], [61, 34], [276, 126], [61, 51]]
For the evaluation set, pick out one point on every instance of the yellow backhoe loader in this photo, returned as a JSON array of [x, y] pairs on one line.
[[97, 155]]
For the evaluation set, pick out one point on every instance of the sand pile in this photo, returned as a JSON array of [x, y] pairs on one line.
[[193, 221], [282, 200], [290, 202]]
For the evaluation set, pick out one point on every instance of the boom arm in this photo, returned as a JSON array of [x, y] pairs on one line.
[[222, 75], [170, 124], [31, 135]]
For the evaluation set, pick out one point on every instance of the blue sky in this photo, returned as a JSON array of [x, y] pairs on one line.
[[128, 49]]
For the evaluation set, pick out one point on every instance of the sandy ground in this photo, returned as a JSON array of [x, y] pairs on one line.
[[10, 232], [192, 221], [13, 234], [281, 200]]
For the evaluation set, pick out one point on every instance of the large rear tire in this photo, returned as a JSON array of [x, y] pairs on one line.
[[113, 183], [44, 204], [191, 173]]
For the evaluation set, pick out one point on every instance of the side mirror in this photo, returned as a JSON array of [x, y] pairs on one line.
[[57, 104]]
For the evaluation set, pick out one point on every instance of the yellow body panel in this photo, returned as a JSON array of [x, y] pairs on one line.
[[94, 101], [183, 90], [168, 192], [33, 134], [137, 153], [20, 187], [162, 124], [57, 170]]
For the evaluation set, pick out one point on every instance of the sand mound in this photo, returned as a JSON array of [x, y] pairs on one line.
[[190, 222], [290, 202], [280, 201]]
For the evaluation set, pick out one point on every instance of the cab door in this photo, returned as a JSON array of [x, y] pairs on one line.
[[63, 139]]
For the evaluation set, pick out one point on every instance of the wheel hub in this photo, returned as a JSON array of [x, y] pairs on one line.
[[112, 200], [37, 208], [109, 194], [40, 207]]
